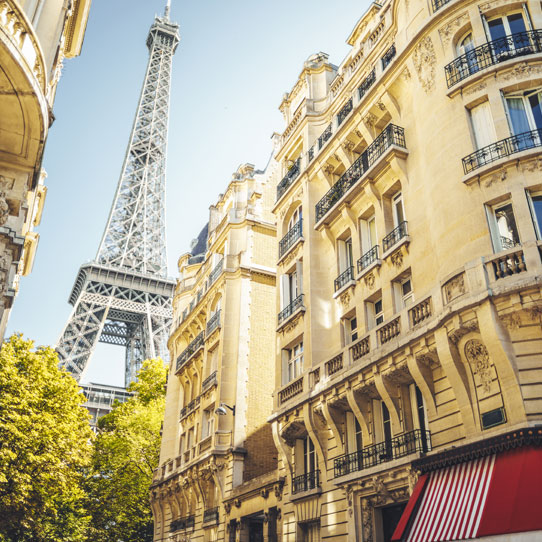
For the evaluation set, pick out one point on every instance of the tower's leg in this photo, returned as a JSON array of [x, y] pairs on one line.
[[135, 354], [81, 334]]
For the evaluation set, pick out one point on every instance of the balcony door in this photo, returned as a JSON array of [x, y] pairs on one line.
[[525, 115], [482, 125], [398, 210]]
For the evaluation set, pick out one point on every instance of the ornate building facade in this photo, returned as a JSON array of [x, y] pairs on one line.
[[35, 37], [217, 449], [407, 400]]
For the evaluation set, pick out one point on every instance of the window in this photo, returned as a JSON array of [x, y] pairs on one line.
[[398, 210], [346, 258], [354, 442], [208, 423], [470, 64], [403, 292], [535, 203], [310, 531], [350, 329], [509, 25], [525, 115], [375, 313], [482, 125], [295, 218], [419, 415], [291, 284], [310, 460], [504, 232], [292, 363], [368, 233]]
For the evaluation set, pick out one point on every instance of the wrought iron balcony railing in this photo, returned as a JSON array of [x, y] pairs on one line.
[[289, 240], [213, 323], [388, 56], [215, 273], [285, 313], [190, 407], [437, 4], [345, 111], [391, 135], [311, 153], [191, 349], [400, 446], [501, 149], [344, 278], [210, 381], [305, 482], [210, 515], [324, 136], [491, 53], [368, 258], [182, 524], [395, 236], [289, 178], [366, 84]]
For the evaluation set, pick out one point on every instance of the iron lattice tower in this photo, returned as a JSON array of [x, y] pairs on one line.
[[124, 296]]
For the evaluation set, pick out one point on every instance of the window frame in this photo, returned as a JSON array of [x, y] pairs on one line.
[[495, 234]]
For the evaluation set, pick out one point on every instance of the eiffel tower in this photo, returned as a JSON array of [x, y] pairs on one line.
[[123, 297]]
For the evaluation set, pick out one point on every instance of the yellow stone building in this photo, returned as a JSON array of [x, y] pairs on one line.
[[216, 444], [407, 399], [35, 37]]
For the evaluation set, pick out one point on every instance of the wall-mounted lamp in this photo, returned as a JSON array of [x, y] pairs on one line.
[[221, 410]]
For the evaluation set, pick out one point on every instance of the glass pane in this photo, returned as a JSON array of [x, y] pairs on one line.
[[372, 233], [496, 29], [399, 215], [536, 107], [537, 206], [516, 23], [506, 225], [518, 116]]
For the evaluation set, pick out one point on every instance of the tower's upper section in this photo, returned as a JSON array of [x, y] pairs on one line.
[[135, 235]]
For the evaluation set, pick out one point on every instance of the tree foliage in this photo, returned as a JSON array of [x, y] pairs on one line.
[[126, 453], [45, 443]]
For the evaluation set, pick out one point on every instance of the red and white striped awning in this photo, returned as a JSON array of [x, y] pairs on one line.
[[497, 494]]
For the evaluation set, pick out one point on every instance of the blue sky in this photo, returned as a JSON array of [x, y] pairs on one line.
[[235, 60]]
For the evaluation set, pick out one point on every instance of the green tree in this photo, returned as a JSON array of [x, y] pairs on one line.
[[44, 446], [126, 453]]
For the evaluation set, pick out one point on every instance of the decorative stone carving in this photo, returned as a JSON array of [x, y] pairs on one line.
[[405, 74], [532, 165], [497, 176], [345, 299], [348, 145], [290, 326], [278, 493], [227, 507], [464, 329], [424, 59], [511, 320], [478, 356], [412, 477], [370, 120], [522, 70], [4, 207], [535, 313], [475, 89], [448, 30], [367, 520], [291, 256], [369, 280], [397, 258], [381, 106], [359, 134], [329, 169], [455, 287]]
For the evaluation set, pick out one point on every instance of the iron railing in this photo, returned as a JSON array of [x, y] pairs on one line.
[[311, 153], [290, 309], [501, 149], [210, 515], [288, 241], [344, 278], [368, 258], [388, 56], [213, 323], [324, 136], [437, 4], [190, 350], [305, 482], [366, 84], [182, 524], [395, 236], [345, 111], [491, 53], [289, 178], [391, 135], [211, 380], [400, 446], [190, 407], [215, 273]]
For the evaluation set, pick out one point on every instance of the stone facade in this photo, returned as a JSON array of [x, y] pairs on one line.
[[409, 226], [218, 461], [35, 37]]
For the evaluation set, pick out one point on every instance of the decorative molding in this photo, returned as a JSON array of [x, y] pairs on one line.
[[405, 74], [369, 280], [448, 30], [424, 59], [345, 299], [497, 176], [464, 329], [474, 89], [478, 357], [511, 320], [454, 288], [397, 258]]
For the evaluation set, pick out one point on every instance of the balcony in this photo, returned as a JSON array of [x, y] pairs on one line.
[[188, 409], [209, 382], [400, 232], [213, 323], [390, 330], [306, 482], [368, 259], [291, 238], [420, 312], [334, 365], [395, 448], [289, 178], [215, 273], [507, 263], [182, 524], [196, 345], [502, 149], [291, 309], [437, 4], [210, 515], [324, 136], [391, 135], [492, 53], [360, 349], [366, 84], [345, 111], [291, 390], [388, 57], [344, 278]]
